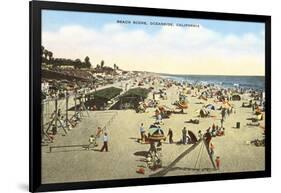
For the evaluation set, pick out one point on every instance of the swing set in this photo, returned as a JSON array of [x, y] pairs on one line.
[[56, 119]]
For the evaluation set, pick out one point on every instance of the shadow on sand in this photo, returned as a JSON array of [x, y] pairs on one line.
[[191, 169], [70, 150], [141, 153]]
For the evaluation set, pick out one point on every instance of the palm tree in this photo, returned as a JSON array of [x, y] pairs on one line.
[[102, 64], [87, 59], [45, 53], [50, 54], [77, 63], [42, 50], [87, 62]]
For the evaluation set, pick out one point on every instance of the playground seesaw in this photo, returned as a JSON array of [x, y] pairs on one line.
[[68, 146]]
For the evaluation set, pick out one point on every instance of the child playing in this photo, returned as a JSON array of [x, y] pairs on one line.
[[92, 142]]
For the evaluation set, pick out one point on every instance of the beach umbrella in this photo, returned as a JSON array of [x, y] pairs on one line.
[[210, 107], [156, 133], [182, 105], [204, 112], [236, 97], [192, 136]]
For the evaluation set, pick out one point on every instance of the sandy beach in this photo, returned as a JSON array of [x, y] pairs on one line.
[[131, 86], [126, 154]]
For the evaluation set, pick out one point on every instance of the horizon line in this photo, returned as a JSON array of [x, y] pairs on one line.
[[174, 74]]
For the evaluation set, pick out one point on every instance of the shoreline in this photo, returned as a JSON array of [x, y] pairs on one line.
[[214, 80]]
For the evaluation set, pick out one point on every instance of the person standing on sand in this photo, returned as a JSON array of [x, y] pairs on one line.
[[223, 111], [170, 134], [159, 118], [200, 136], [207, 137], [59, 113], [212, 148], [152, 150], [218, 162], [105, 141], [184, 131], [213, 126], [254, 107], [142, 132], [222, 123]]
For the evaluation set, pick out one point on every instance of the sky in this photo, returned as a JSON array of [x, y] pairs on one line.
[[198, 46]]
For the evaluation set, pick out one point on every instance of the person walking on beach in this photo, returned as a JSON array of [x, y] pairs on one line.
[[222, 123], [105, 141], [142, 131], [170, 134], [184, 131]]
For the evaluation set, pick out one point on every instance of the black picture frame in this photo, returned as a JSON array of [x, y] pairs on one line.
[[36, 8]]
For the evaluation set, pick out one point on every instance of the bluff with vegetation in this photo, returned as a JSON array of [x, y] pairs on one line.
[[47, 58]]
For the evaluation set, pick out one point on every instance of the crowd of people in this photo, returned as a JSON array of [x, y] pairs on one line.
[[188, 137]]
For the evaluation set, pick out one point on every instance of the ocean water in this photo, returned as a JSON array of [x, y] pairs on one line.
[[255, 82]]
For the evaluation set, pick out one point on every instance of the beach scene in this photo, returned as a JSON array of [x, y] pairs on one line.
[[126, 96]]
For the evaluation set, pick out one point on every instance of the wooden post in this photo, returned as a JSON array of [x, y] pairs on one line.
[[42, 121], [209, 153], [56, 112], [43, 132], [75, 108], [66, 112]]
